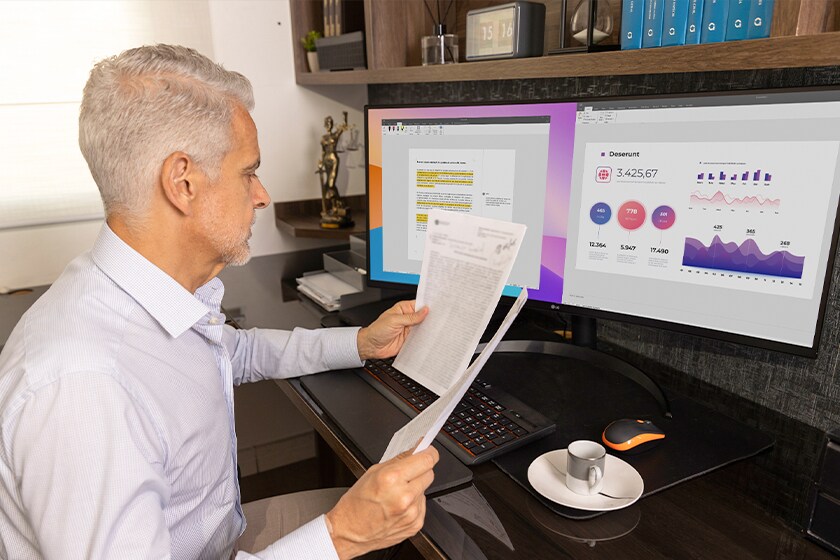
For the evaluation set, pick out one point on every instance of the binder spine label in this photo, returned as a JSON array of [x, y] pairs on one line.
[[694, 22], [761, 16], [654, 10], [715, 14], [739, 18], [674, 22], [632, 20]]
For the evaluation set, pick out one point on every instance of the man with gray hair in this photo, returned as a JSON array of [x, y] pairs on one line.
[[116, 387]]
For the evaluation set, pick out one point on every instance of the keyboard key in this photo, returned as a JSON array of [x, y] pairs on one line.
[[502, 439], [459, 437], [482, 448]]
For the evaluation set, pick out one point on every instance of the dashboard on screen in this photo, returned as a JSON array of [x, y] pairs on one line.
[[713, 215]]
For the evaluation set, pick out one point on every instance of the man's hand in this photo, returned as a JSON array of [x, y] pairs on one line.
[[384, 337], [384, 507]]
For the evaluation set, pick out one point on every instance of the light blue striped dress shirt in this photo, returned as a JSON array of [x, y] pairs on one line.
[[116, 415]]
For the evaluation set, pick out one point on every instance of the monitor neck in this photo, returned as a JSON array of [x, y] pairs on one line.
[[584, 331]]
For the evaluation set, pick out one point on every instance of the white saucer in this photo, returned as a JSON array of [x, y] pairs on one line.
[[620, 479]]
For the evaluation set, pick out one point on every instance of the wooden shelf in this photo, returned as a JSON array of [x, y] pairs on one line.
[[776, 52], [302, 218]]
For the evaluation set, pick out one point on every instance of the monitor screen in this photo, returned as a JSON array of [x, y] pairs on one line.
[[713, 215]]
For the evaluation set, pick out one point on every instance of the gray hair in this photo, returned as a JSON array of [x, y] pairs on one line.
[[144, 104]]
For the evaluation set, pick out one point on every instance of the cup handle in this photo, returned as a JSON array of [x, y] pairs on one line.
[[595, 475]]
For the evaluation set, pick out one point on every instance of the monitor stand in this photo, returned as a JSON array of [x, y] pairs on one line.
[[582, 348]]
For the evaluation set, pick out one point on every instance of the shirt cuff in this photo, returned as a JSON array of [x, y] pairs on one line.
[[341, 348], [310, 541]]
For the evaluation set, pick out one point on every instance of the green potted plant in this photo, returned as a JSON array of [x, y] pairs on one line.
[[308, 42]]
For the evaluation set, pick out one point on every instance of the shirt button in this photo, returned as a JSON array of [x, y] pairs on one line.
[[214, 320]]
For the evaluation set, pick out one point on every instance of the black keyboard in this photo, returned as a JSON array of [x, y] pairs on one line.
[[486, 423]]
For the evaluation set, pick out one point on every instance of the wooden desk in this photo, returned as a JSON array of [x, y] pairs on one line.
[[708, 517]]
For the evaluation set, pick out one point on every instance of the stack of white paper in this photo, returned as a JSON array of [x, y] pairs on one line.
[[466, 262], [425, 426], [325, 289]]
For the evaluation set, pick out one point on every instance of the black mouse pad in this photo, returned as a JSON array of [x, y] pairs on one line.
[[583, 399], [369, 420]]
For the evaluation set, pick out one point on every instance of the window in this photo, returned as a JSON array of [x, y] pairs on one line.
[[47, 49]]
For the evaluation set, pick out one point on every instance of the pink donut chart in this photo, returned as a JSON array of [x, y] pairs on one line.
[[631, 215]]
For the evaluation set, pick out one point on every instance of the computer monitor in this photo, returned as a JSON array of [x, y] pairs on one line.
[[709, 214]]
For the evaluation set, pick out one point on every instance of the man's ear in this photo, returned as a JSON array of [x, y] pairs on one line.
[[179, 181]]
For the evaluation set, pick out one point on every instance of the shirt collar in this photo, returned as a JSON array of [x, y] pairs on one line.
[[168, 302]]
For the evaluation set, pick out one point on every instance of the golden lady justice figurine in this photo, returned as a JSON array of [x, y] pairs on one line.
[[334, 214]]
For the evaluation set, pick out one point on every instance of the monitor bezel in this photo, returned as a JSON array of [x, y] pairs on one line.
[[709, 333]]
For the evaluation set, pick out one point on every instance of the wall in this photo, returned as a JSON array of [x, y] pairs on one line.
[[36, 255], [794, 399], [252, 37]]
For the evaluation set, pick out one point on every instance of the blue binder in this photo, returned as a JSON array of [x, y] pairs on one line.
[[739, 19], [674, 22], [632, 19], [694, 21], [761, 16], [654, 10], [715, 14]]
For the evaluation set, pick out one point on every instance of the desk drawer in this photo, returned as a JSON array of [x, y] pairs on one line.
[[825, 522]]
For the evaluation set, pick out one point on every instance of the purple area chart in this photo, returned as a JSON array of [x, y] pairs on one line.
[[746, 257]]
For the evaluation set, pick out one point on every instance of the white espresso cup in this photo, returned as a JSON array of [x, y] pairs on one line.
[[585, 467]]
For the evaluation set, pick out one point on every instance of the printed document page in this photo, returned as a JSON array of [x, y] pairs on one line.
[[466, 263], [426, 425], [478, 182]]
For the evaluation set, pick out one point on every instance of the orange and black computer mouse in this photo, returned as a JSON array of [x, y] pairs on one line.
[[632, 436]]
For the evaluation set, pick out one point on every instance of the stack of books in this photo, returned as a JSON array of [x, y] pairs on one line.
[[343, 16], [667, 23]]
